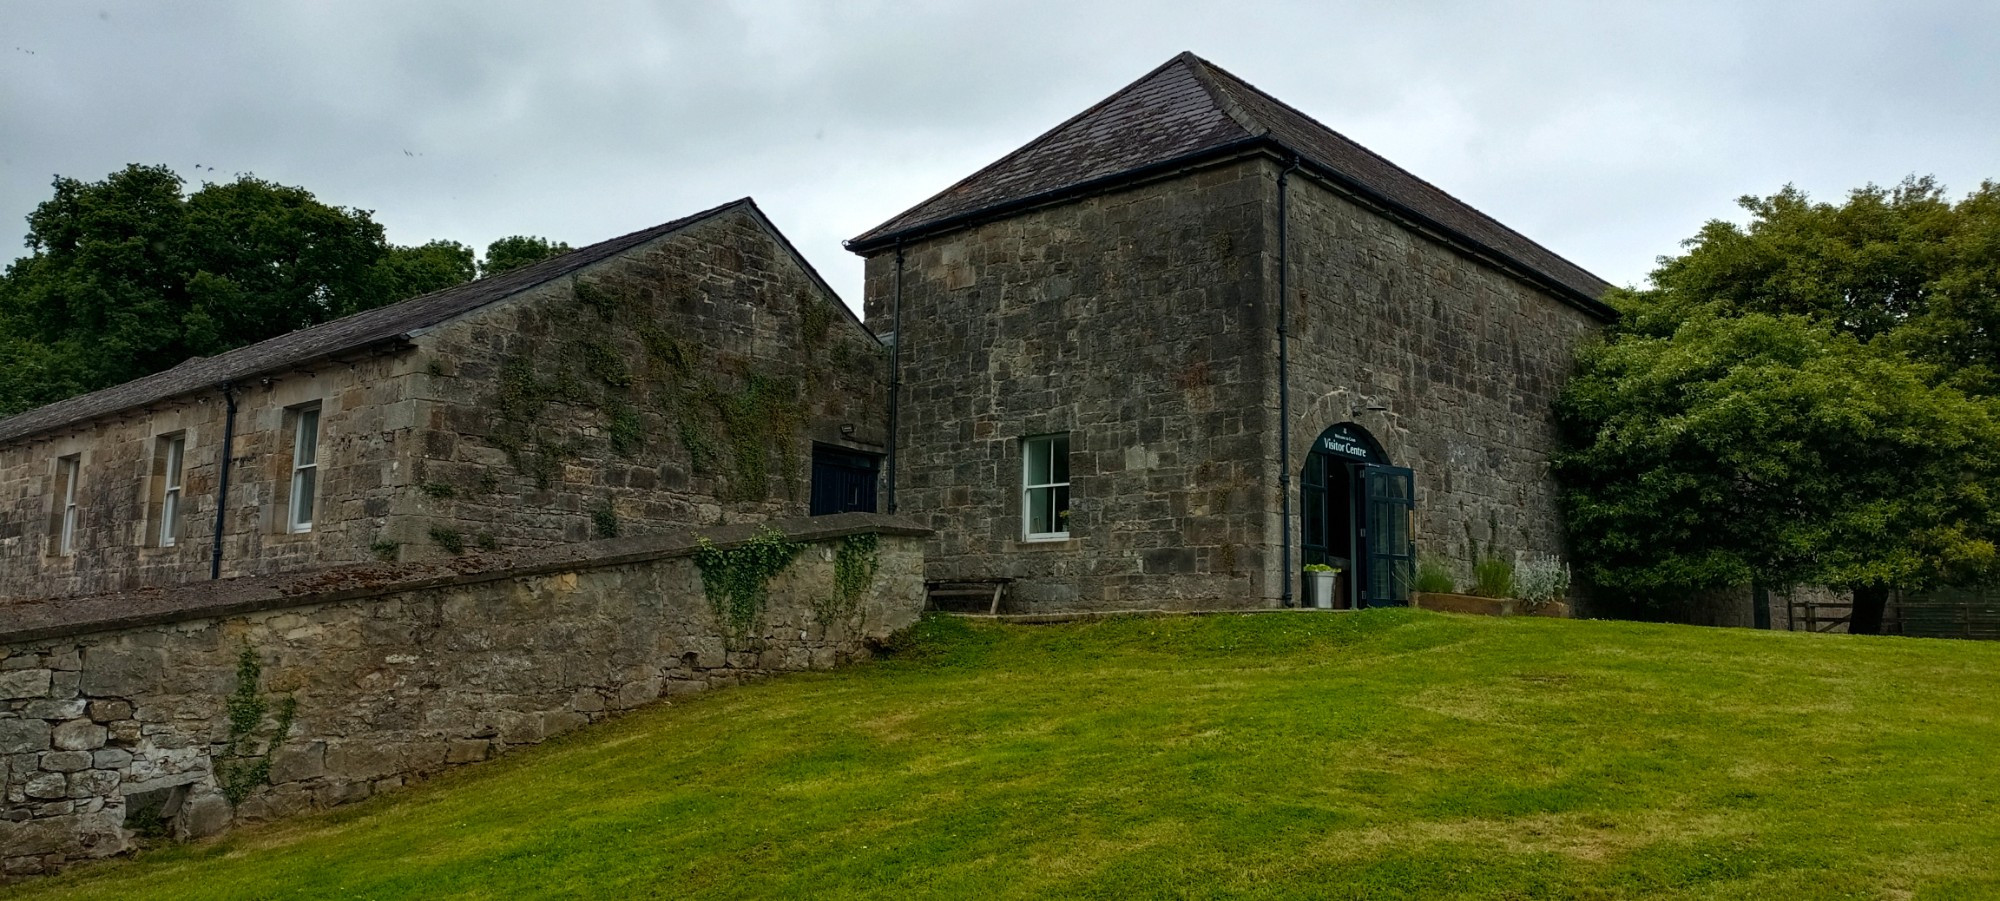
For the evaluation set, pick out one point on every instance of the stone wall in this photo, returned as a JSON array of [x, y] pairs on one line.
[[681, 384], [1131, 321], [1142, 322], [1466, 358], [113, 708]]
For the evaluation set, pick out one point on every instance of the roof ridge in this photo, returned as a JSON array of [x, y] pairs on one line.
[[1205, 74], [1182, 58], [249, 360], [1226, 77]]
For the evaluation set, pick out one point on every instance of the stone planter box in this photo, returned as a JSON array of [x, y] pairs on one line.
[[1481, 606]]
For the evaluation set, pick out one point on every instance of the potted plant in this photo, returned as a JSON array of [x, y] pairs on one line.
[[1320, 580]]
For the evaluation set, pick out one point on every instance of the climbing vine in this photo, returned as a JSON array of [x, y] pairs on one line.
[[604, 520], [242, 769], [854, 566], [452, 541], [737, 579], [732, 421]]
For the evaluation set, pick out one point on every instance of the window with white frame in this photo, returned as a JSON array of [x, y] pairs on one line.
[[1045, 487], [172, 449], [68, 470], [305, 468]]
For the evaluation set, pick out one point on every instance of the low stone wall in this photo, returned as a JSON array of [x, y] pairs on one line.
[[147, 710]]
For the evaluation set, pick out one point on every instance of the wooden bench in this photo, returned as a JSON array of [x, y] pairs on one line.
[[991, 590]]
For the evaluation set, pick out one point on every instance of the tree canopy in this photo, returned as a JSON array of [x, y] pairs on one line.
[[131, 275], [1806, 400], [515, 251]]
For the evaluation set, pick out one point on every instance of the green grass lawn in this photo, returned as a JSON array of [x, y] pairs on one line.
[[1389, 754]]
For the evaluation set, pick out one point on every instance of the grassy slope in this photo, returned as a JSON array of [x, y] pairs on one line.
[[1381, 755]]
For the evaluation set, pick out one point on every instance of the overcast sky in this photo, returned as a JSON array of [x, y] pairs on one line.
[[1607, 131]]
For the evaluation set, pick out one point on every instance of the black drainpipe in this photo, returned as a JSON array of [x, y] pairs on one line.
[[222, 486], [1285, 387], [895, 370]]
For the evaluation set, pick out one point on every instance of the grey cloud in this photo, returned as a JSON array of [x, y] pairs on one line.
[[1607, 131]]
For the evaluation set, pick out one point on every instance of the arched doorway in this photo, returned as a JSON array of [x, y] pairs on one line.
[[1356, 511]]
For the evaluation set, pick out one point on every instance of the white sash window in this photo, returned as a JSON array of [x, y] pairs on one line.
[[305, 469]]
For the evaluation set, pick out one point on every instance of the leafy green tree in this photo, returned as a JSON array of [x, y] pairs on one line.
[[410, 271], [1706, 448], [129, 276], [515, 251], [1902, 264]]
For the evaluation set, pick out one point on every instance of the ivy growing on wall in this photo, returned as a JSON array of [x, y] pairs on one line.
[[737, 580], [854, 565], [732, 421], [243, 767]]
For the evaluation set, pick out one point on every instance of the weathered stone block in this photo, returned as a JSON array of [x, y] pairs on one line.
[[123, 670], [110, 758], [124, 732], [27, 683], [97, 834], [66, 761], [93, 783], [47, 786], [298, 763], [468, 751], [107, 710], [204, 815], [20, 736], [50, 709], [78, 735]]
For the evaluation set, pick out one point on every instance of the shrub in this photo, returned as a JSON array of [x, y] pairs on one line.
[[1493, 576], [1541, 579], [1434, 576]]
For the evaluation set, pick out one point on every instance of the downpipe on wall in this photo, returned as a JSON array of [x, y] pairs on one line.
[[1285, 384], [222, 484], [895, 371]]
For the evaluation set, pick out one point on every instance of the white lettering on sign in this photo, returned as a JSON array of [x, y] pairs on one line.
[[1344, 445]]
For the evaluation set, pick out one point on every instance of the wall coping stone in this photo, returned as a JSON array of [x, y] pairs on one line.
[[63, 617]]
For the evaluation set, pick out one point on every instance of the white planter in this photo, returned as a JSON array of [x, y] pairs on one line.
[[1320, 585]]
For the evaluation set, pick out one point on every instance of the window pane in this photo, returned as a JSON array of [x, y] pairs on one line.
[[308, 440], [1059, 454], [1039, 514], [302, 498], [174, 450], [1315, 515], [169, 508], [1060, 521], [1038, 461]]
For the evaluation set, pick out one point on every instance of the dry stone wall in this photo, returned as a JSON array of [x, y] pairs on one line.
[[114, 710]]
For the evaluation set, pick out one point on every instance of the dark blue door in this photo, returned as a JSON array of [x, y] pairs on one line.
[[1389, 503]]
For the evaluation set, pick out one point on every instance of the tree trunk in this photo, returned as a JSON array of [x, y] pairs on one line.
[[1870, 601]]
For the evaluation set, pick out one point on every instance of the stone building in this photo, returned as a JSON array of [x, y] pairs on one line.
[[1191, 340], [694, 373]]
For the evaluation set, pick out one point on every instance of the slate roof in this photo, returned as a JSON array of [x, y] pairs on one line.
[[396, 322], [1188, 110]]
